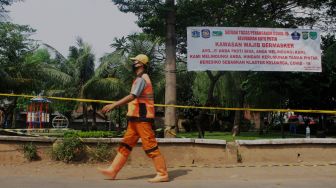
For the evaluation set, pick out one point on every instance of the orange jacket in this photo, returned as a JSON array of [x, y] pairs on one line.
[[142, 108]]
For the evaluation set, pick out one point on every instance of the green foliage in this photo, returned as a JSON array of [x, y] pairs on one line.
[[242, 136], [30, 151], [184, 88], [296, 90], [22, 103], [91, 134], [64, 107], [102, 153], [26, 69], [71, 133], [116, 66], [200, 87], [79, 67], [191, 113], [265, 13], [38, 56], [97, 134], [103, 88], [150, 14], [69, 149], [118, 116], [83, 58], [133, 45], [23, 69], [110, 78], [256, 89], [15, 45]]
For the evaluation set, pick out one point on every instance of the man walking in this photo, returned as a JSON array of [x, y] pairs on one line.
[[140, 118]]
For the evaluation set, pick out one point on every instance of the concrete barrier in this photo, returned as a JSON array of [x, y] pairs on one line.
[[178, 152], [296, 150], [196, 152]]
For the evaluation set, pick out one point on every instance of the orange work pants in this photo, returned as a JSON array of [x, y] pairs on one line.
[[136, 130]]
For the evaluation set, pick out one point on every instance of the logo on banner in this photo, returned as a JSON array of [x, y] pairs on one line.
[[313, 35], [195, 33], [305, 35], [205, 33], [295, 35], [217, 33]]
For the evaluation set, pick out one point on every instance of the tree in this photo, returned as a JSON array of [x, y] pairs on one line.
[[79, 66], [265, 13], [114, 72], [3, 5], [82, 59], [105, 84], [156, 12], [21, 70], [170, 91], [300, 90], [14, 48], [141, 43], [133, 45]]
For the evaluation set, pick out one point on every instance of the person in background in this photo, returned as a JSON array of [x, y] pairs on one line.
[[293, 121]]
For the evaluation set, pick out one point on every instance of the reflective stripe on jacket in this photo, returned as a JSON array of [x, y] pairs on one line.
[[142, 107]]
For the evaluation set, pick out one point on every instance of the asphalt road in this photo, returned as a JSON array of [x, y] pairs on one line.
[[35, 175]]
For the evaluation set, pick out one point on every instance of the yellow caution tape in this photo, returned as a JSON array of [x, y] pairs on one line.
[[181, 106], [57, 98]]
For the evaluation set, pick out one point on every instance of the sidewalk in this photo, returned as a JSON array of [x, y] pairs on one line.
[[53, 175]]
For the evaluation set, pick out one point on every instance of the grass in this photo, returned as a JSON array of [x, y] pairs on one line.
[[243, 136]]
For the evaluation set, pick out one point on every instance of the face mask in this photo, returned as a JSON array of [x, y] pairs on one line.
[[134, 68]]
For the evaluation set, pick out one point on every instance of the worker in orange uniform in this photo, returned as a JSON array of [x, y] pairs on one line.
[[140, 117]]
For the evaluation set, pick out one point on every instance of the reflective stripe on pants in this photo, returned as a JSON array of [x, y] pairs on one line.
[[136, 130]]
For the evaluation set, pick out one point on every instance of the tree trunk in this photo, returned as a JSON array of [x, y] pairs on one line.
[[200, 124], [2, 118], [85, 116], [238, 114], [13, 115], [94, 120], [211, 93], [13, 119], [211, 100], [213, 81], [282, 131], [170, 89], [236, 123]]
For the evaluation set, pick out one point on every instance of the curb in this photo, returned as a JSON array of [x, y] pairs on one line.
[[27, 139], [184, 140], [287, 141], [258, 166], [117, 140]]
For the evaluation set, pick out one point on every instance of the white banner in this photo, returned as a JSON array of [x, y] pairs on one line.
[[253, 49]]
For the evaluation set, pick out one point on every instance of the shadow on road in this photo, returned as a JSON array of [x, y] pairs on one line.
[[172, 174]]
